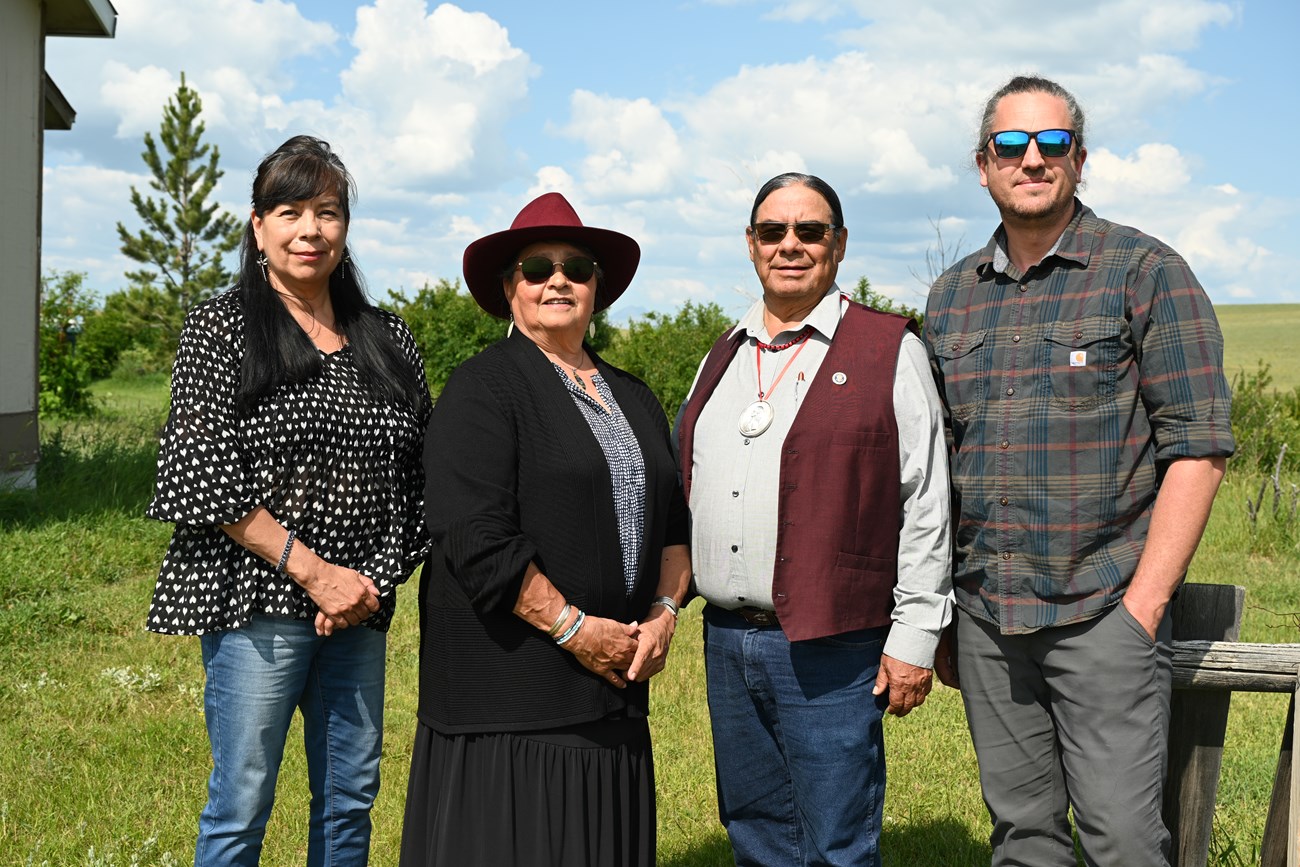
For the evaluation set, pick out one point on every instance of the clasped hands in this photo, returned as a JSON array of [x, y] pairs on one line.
[[344, 596], [622, 652]]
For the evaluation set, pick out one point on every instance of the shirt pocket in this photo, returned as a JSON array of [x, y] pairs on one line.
[[963, 362], [1081, 358]]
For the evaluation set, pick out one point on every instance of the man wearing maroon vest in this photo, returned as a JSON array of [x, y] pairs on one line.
[[813, 457]]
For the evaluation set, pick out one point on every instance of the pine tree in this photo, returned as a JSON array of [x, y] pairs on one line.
[[184, 238]]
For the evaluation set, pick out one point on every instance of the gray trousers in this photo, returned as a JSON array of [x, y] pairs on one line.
[[1070, 716]]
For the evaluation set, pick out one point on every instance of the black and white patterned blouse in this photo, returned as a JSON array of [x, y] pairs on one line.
[[325, 457], [626, 466]]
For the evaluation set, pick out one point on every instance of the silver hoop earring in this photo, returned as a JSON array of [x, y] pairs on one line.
[[510, 329], [266, 275]]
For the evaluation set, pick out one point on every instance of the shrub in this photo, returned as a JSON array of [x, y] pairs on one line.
[[139, 318], [1263, 421], [64, 377], [666, 351], [450, 327]]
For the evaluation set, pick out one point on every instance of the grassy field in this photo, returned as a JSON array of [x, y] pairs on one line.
[[1255, 333], [104, 758]]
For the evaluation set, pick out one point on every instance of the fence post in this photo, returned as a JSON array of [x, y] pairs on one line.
[[1282, 827], [1198, 722]]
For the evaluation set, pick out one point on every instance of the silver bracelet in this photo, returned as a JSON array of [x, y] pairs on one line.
[[559, 621], [573, 630], [667, 602], [284, 555]]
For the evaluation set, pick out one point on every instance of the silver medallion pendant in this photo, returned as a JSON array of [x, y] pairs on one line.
[[756, 418]]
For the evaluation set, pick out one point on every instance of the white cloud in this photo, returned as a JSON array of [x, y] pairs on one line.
[[551, 179], [136, 95], [1152, 170], [421, 101], [675, 291], [849, 119], [634, 150], [1209, 238], [464, 228], [1178, 25], [900, 167], [427, 95]]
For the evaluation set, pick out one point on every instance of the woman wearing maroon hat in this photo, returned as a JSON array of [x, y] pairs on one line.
[[559, 559]]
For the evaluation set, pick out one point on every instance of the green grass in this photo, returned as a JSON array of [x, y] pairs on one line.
[[102, 744], [1254, 333]]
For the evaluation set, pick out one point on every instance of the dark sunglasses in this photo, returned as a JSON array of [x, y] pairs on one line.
[[807, 233], [1012, 143], [538, 269]]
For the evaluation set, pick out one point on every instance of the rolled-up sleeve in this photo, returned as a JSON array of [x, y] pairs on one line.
[[1183, 386]]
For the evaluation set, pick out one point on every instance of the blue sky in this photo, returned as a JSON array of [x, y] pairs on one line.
[[662, 119]]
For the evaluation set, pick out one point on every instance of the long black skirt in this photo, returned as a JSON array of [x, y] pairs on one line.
[[583, 795]]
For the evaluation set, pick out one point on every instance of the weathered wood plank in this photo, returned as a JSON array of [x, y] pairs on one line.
[[1278, 837], [1231, 665], [1198, 721], [1293, 822]]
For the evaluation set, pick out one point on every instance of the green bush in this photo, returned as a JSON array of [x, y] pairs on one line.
[[450, 327], [1263, 421], [136, 318], [137, 361], [64, 376], [666, 351]]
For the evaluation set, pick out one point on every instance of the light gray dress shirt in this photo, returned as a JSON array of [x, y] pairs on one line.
[[736, 478]]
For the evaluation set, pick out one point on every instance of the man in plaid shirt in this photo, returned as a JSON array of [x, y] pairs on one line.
[[1082, 367]]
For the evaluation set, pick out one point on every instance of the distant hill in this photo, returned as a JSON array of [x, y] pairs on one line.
[[1262, 332]]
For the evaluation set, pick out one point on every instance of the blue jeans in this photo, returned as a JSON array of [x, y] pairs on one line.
[[256, 676], [797, 742]]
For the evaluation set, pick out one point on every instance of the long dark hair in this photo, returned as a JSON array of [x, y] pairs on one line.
[[276, 350]]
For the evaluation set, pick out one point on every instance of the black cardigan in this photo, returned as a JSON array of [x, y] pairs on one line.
[[513, 473]]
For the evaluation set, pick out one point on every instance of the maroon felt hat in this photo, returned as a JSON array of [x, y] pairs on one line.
[[549, 217]]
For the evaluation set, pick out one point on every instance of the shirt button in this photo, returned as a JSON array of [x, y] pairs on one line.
[[1003, 501], [746, 442], [1078, 335], [735, 493], [1015, 338], [1023, 288], [735, 548], [1005, 444], [1006, 555], [1011, 391]]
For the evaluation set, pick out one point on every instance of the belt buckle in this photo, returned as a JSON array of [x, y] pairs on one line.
[[758, 616]]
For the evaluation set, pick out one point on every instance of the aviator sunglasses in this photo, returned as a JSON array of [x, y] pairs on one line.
[[538, 269], [1012, 143], [807, 233]]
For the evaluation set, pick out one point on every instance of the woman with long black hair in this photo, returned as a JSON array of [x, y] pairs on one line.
[[290, 465]]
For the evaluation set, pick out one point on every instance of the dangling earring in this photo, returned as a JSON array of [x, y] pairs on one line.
[[510, 329], [266, 275], [591, 329], [343, 267]]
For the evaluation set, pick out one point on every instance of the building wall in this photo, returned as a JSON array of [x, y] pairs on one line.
[[22, 65]]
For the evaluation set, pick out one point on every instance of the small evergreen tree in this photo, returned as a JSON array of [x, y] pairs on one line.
[[184, 237]]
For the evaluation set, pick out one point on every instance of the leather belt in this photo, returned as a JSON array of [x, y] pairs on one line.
[[756, 616]]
